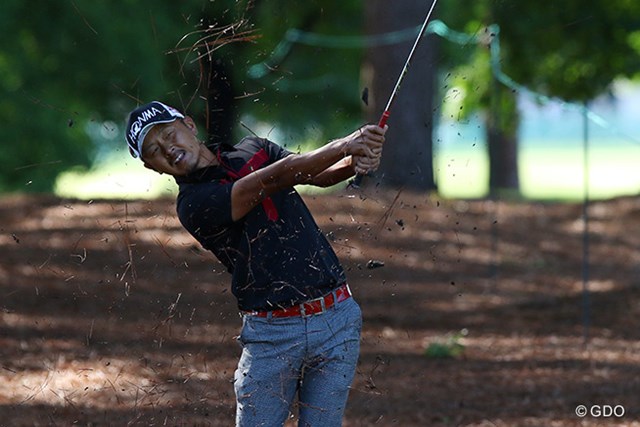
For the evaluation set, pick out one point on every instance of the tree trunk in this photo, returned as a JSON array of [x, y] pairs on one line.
[[221, 106], [408, 157], [502, 141], [217, 89], [503, 159]]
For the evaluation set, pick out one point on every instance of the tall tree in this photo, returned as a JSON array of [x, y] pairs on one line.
[[472, 75], [408, 159]]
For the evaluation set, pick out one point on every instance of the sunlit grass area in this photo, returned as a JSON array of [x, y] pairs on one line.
[[117, 176], [462, 173], [560, 173], [553, 172], [547, 173]]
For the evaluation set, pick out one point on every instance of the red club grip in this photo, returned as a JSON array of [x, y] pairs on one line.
[[383, 119]]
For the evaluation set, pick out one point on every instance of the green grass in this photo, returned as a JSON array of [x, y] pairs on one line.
[[118, 176], [559, 173], [462, 173], [545, 174]]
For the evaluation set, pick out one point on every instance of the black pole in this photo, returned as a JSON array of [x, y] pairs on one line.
[[586, 303], [494, 125]]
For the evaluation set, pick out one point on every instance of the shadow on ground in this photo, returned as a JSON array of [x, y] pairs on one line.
[[110, 314]]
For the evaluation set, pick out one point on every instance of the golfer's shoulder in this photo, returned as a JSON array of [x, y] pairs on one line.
[[252, 141], [251, 145]]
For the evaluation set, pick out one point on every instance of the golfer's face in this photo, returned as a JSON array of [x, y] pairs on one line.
[[172, 148]]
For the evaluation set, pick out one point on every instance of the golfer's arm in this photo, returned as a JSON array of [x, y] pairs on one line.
[[346, 167], [335, 173], [294, 169]]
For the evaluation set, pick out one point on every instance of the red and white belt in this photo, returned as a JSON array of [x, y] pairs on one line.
[[308, 308]]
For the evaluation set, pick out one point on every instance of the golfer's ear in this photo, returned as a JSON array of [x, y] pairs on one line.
[[190, 124]]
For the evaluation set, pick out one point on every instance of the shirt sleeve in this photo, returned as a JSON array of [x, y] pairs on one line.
[[275, 151]]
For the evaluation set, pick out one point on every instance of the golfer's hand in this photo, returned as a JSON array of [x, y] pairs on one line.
[[366, 165], [365, 142], [374, 139]]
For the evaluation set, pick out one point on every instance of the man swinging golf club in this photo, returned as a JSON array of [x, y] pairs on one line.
[[300, 324]]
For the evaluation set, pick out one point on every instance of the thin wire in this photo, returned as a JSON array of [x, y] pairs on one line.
[[295, 36]]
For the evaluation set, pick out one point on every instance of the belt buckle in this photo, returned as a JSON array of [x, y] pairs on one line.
[[303, 312]]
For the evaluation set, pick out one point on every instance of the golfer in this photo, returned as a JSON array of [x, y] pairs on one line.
[[300, 324]]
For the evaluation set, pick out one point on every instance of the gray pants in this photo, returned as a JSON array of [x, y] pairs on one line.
[[315, 356]]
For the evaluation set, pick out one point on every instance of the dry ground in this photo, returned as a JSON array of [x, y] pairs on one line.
[[110, 314]]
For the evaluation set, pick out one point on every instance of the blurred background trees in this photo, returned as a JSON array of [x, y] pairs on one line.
[[70, 72], [572, 50]]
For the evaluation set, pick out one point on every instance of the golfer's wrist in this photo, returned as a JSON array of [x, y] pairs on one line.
[[344, 147]]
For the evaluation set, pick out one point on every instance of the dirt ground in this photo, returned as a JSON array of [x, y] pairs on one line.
[[477, 313]]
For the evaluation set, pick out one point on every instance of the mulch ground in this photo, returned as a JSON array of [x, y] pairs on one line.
[[476, 313]]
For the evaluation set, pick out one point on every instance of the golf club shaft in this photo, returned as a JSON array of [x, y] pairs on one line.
[[357, 180]]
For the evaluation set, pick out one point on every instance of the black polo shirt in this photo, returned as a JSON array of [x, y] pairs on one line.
[[276, 254]]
